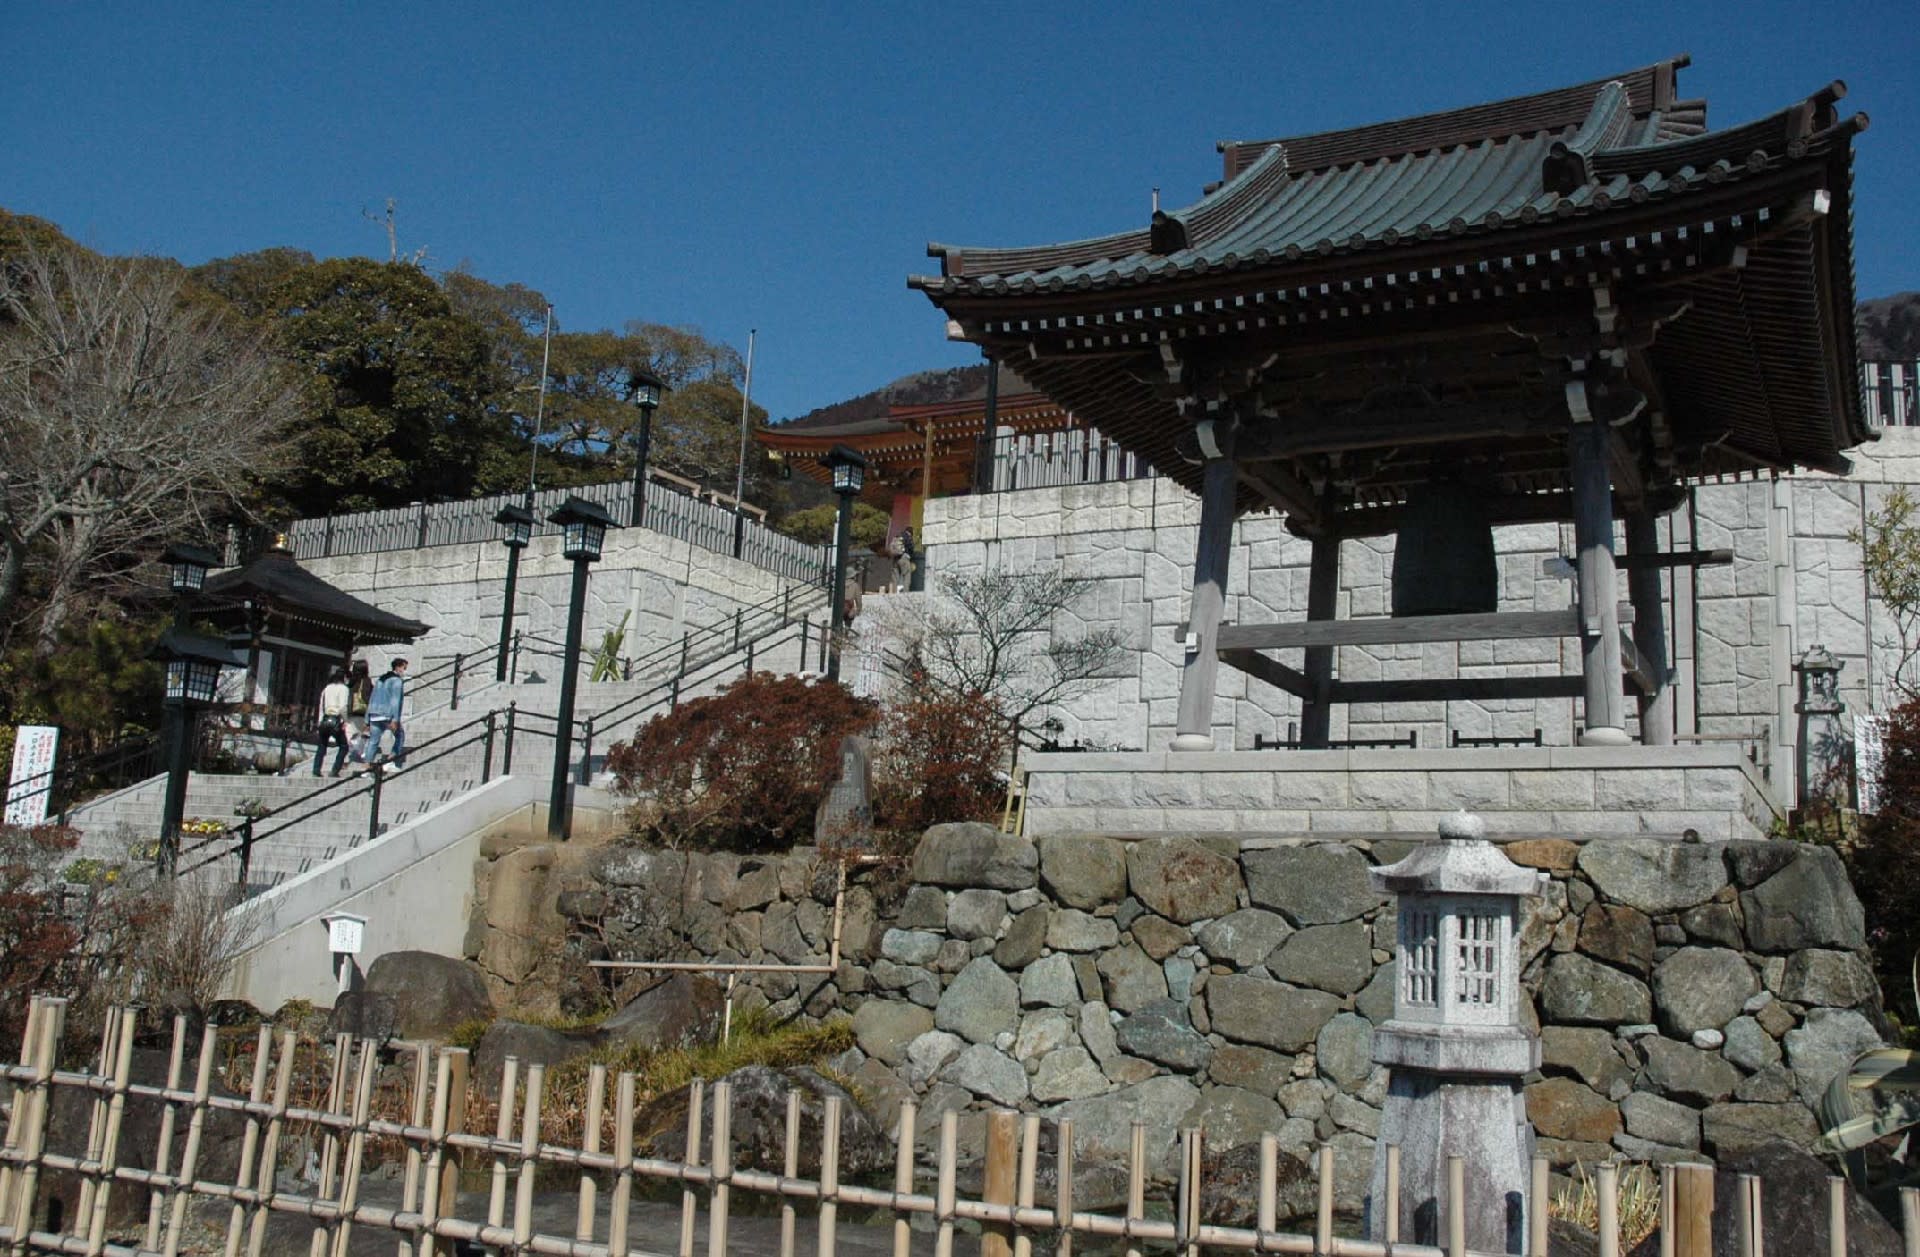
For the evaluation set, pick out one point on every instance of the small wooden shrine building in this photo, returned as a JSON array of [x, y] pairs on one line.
[[1563, 306]]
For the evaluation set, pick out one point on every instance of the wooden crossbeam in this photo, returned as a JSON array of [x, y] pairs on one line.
[[1674, 558], [1386, 630], [1472, 689], [1272, 671]]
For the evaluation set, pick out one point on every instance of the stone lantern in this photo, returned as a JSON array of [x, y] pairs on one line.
[[1455, 1046]]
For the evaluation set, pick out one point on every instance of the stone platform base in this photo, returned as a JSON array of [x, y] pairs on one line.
[[1563, 792]]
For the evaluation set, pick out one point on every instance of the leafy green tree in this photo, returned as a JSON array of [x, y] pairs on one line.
[[816, 524], [403, 390]]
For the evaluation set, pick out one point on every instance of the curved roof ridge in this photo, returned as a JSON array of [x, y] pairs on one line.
[[1648, 88]]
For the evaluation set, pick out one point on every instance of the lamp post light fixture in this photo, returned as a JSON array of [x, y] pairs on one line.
[[193, 663], [583, 532], [647, 391], [849, 470], [516, 523], [187, 568]]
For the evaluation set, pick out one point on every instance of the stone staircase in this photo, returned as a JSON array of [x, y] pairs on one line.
[[311, 820]]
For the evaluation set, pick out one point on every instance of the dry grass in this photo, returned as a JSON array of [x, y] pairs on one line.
[[1578, 1201]]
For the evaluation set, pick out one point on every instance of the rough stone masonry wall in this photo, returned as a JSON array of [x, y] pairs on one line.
[[1690, 997]]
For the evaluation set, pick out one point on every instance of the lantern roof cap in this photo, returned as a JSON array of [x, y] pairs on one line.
[[581, 509], [1463, 862], [513, 513], [180, 552]]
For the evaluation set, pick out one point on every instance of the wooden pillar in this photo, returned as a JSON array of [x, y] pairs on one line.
[[1605, 708], [1650, 629], [1194, 730], [1323, 593]]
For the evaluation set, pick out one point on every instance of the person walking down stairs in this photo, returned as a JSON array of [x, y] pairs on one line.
[[383, 713], [334, 700]]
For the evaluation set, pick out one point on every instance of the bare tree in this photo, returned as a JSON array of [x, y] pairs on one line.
[[128, 412], [999, 634], [1889, 541]]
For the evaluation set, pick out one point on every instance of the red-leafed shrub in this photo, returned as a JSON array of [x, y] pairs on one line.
[[744, 769], [941, 759]]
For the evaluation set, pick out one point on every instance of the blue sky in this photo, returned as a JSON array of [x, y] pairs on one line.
[[782, 166]]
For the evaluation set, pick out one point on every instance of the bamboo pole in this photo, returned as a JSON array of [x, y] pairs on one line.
[[996, 1238], [97, 1118], [829, 1175], [902, 1181], [1392, 1204], [110, 1150], [1693, 1211], [722, 1162], [190, 1155], [1668, 1213], [1323, 1211], [590, 1144], [943, 1200], [1609, 1201], [443, 1164], [16, 1110], [689, 1207], [529, 1159], [336, 1103], [1063, 1197], [163, 1151], [618, 1209], [250, 1140], [38, 1103], [1266, 1212], [416, 1116], [1910, 1220], [1029, 1169], [790, 1168], [502, 1132], [270, 1147], [1836, 1216], [1136, 1183], [1188, 1214], [356, 1152], [1539, 1206]]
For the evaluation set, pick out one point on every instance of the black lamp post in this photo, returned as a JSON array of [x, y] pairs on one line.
[[193, 663], [583, 532], [517, 525], [849, 470], [647, 388]]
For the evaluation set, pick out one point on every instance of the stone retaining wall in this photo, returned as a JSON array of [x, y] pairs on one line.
[[1690, 996]]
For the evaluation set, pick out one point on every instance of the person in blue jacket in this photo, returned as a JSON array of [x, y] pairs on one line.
[[383, 713]]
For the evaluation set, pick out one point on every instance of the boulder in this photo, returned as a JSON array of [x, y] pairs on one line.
[[1096, 1031], [1581, 991], [679, 1011], [1751, 863], [432, 995], [1653, 875], [1049, 982], [1230, 1186], [884, 1028], [1684, 1072], [1266, 1013], [1828, 979], [759, 1122], [1337, 958], [923, 908], [968, 854], [530, 1045], [1103, 1125], [1083, 872], [1318, 885], [1232, 1117], [1244, 938], [1159, 937], [1617, 934], [1159, 1031], [1793, 1206], [1824, 1045], [1733, 1126], [1561, 1108], [1660, 1121], [929, 1054], [1344, 1050], [1041, 1034], [1551, 855], [1068, 1074], [1025, 938], [1182, 879], [981, 1002], [1074, 930], [987, 1073], [910, 947], [365, 1015], [976, 913], [1254, 1068], [1375, 1001], [1749, 1046], [1808, 903], [1701, 988], [1130, 979], [1588, 1055], [1714, 922]]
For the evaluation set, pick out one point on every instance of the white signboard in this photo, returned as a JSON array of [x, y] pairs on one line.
[[32, 777], [1869, 756]]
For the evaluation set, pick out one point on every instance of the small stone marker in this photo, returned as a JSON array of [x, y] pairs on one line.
[[845, 818]]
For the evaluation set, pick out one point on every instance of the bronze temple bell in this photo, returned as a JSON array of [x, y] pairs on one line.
[[1443, 554]]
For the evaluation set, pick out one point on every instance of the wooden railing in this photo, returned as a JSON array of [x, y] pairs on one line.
[[422, 1129]]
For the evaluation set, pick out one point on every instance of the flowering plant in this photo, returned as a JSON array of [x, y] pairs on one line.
[[200, 826]]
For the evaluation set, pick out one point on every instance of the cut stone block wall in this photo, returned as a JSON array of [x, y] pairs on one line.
[[668, 586], [1734, 631], [1691, 997]]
